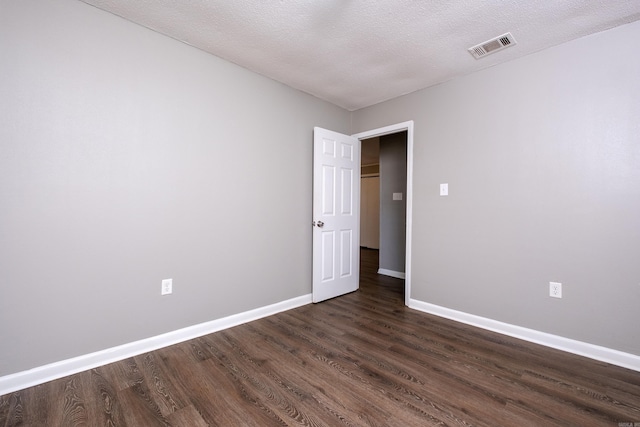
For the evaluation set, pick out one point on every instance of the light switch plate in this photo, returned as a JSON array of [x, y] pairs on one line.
[[397, 196], [444, 189]]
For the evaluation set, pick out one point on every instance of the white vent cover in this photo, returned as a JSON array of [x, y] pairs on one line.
[[491, 46]]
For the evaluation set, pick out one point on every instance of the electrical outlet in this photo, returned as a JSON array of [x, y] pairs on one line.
[[167, 286], [555, 289]]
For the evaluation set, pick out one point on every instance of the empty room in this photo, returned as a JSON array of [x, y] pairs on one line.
[[182, 229]]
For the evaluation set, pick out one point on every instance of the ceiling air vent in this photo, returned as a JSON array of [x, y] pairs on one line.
[[493, 45]]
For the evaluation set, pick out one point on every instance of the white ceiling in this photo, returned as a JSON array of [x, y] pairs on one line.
[[356, 53]]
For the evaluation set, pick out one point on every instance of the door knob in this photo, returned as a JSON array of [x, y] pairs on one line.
[[319, 223]]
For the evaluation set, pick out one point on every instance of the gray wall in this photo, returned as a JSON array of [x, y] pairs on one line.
[[542, 157], [127, 157], [393, 213]]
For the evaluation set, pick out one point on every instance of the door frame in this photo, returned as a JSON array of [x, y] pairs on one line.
[[401, 127]]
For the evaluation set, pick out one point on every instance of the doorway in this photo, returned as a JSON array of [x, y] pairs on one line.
[[399, 203]]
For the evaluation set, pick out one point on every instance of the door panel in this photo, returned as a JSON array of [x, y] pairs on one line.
[[328, 193], [336, 214], [346, 263], [346, 179], [328, 243]]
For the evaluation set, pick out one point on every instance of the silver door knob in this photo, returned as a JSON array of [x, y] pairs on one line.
[[319, 224]]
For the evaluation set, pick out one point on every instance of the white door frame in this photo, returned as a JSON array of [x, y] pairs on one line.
[[400, 127]]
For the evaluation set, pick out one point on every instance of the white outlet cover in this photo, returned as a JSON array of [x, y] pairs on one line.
[[555, 289], [167, 286], [397, 196], [444, 189]]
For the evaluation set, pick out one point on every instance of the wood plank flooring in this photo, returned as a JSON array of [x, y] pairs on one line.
[[359, 360]]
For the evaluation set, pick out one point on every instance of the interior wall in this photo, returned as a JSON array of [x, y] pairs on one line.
[[370, 212], [126, 158], [393, 213], [542, 158], [370, 193]]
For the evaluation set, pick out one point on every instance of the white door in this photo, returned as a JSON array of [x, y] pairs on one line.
[[336, 214]]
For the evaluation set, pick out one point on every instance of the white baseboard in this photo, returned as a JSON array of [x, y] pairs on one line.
[[603, 354], [52, 371], [396, 274]]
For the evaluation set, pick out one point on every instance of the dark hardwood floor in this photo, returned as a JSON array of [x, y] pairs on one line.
[[359, 360]]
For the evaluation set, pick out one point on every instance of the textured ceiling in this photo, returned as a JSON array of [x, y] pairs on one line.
[[356, 53]]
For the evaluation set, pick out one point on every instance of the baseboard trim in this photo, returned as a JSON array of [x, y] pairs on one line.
[[52, 371], [392, 273], [592, 351]]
